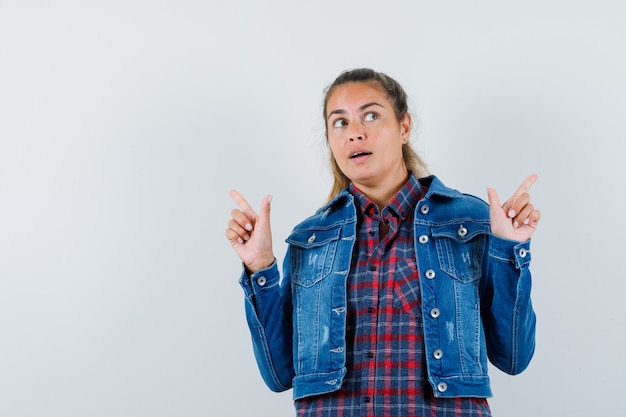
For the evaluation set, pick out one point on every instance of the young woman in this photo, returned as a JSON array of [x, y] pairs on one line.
[[398, 291]]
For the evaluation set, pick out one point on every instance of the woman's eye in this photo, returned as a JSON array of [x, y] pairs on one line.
[[340, 123], [370, 117]]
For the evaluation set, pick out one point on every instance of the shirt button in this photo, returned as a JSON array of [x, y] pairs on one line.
[[372, 267], [370, 355], [425, 209], [430, 274], [261, 281], [438, 354], [434, 313], [442, 387], [370, 309], [367, 399], [423, 239]]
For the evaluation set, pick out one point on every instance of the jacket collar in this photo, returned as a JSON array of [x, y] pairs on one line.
[[436, 188]]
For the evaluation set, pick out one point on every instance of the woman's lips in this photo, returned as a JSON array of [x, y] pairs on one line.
[[360, 155]]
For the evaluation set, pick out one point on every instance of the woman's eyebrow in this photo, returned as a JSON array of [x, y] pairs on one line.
[[363, 107]]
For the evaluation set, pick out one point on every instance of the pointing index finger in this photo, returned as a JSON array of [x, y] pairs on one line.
[[525, 187], [242, 203]]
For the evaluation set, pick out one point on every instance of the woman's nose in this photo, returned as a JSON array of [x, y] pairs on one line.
[[356, 132]]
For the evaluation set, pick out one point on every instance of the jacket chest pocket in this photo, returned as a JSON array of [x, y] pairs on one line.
[[312, 254], [460, 249]]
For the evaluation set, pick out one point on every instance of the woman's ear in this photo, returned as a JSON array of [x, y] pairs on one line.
[[405, 127]]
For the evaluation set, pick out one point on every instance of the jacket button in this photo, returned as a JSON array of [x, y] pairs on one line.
[[438, 354], [442, 387], [261, 281], [523, 252], [425, 209], [434, 313], [423, 239], [462, 231], [430, 274], [312, 238]]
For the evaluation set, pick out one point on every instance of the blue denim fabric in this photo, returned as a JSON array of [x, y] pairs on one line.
[[479, 284]]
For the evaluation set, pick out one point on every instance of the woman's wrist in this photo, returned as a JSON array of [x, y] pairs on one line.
[[258, 265]]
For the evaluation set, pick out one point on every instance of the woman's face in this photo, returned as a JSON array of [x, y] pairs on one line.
[[365, 136]]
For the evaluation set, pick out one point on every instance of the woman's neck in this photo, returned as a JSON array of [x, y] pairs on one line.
[[381, 194]]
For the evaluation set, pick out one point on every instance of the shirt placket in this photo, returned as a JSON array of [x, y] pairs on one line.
[[384, 251], [369, 328], [374, 351]]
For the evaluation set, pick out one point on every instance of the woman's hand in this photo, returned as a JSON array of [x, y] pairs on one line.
[[517, 218], [249, 233]]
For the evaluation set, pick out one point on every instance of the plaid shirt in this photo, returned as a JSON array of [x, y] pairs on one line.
[[385, 357]]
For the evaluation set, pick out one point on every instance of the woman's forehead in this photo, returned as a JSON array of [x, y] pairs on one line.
[[355, 93]]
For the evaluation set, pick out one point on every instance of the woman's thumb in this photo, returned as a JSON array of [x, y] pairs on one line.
[[494, 200], [264, 213]]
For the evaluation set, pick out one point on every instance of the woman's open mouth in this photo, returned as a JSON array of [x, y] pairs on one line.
[[358, 155]]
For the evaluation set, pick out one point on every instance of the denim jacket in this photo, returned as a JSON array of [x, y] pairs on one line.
[[475, 290]]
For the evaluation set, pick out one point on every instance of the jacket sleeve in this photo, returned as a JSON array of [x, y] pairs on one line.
[[508, 316], [268, 313]]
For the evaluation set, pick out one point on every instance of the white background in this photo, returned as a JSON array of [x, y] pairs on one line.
[[123, 124]]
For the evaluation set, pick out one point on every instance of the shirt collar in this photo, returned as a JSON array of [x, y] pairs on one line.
[[401, 205]]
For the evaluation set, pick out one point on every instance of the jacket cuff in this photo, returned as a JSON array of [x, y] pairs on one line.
[[260, 280], [512, 251]]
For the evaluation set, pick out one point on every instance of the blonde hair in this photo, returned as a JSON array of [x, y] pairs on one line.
[[398, 98]]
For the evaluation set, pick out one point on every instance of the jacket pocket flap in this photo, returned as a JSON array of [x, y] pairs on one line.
[[311, 238], [461, 232]]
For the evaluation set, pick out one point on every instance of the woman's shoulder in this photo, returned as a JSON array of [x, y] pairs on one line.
[[442, 194], [340, 210]]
